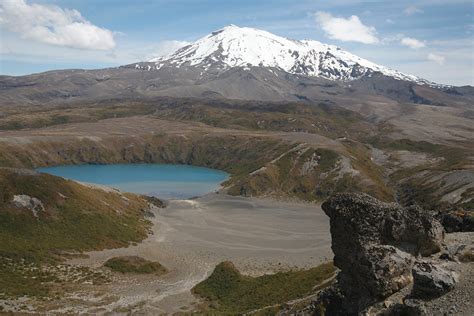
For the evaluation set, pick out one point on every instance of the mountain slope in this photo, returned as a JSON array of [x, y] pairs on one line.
[[245, 47], [238, 63]]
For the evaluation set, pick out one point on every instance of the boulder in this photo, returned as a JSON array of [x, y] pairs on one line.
[[412, 229], [31, 203], [409, 307], [459, 221], [431, 281], [452, 222], [374, 273], [358, 218], [374, 245], [468, 223], [331, 301]]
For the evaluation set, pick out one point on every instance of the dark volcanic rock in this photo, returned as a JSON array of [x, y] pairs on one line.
[[154, 201], [409, 307], [431, 281], [360, 218], [452, 223], [413, 230], [468, 224], [373, 273], [373, 244], [458, 222]]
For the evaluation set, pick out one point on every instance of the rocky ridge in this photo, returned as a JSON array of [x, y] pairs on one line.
[[394, 261]]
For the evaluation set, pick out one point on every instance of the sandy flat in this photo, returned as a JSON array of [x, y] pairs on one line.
[[191, 236]]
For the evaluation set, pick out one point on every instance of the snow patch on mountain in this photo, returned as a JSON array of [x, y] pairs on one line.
[[245, 47]]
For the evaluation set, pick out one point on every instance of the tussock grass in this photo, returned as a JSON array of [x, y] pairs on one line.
[[228, 291], [76, 218], [134, 264]]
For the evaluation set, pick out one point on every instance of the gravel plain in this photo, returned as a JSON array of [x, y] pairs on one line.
[[190, 237]]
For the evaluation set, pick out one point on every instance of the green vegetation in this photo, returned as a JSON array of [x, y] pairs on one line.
[[324, 119], [240, 155], [289, 176], [20, 278], [455, 156], [406, 144], [423, 184], [131, 109], [228, 291], [134, 264], [298, 172], [75, 218], [50, 115], [361, 161], [327, 160], [346, 183], [38, 120], [427, 193], [415, 191], [15, 282]]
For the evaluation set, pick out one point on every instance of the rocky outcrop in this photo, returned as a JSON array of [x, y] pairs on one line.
[[31, 203], [153, 205], [375, 245], [409, 307], [413, 230], [361, 219], [458, 221], [431, 281]]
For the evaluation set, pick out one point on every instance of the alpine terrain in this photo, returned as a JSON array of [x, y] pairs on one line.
[[350, 187], [236, 63]]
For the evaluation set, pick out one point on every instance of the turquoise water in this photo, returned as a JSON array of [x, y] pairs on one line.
[[160, 180]]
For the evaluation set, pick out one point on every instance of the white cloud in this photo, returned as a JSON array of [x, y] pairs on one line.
[[166, 47], [413, 43], [53, 25], [127, 51], [412, 10], [389, 21], [409, 61], [436, 58], [346, 30]]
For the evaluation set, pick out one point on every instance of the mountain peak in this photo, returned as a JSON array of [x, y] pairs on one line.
[[234, 46], [231, 26]]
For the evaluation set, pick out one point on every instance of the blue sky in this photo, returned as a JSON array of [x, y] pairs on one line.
[[432, 39]]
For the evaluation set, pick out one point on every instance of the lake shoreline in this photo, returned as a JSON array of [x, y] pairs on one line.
[[164, 181]]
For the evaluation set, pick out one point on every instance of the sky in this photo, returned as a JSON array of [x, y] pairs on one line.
[[433, 39]]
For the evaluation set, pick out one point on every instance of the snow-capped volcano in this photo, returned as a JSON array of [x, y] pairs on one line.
[[244, 47], [238, 63]]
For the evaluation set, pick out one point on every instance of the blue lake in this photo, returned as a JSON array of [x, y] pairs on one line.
[[160, 180]]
